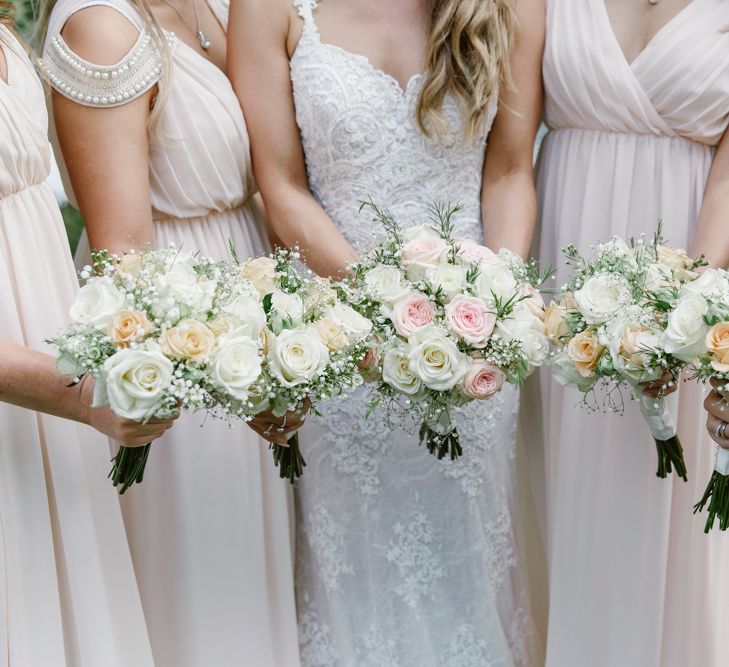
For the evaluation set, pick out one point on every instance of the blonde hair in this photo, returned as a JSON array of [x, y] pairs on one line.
[[153, 28], [467, 57]]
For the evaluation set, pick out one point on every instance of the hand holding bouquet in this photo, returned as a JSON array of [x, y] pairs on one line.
[[614, 324], [452, 322]]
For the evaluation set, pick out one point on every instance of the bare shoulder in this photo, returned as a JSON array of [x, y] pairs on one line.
[[100, 34], [531, 14], [275, 21]]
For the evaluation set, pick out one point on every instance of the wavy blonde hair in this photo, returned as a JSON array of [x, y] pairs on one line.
[[467, 57], [153, 28]]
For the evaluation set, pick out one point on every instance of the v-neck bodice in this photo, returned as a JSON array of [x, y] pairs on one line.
[[677, 86]]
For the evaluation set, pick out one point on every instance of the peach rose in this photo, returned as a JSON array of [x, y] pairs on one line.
[[262, 273], [411, 313], [554, 322], [717, 343], [482, 381], [470, 319], [330, 333], [190, 339], [584, 350], [128, 326]]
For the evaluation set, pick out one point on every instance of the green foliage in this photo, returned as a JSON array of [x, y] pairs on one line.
[[25, 13]]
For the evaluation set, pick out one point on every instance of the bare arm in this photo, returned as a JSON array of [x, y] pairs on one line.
[[258, 66], [712, 231], [29, 379], [508, 198], [106, 150]]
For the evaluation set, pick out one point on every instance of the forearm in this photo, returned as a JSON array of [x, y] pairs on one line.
[[508, 205], [29, 379], [298, 220], [712, 230]]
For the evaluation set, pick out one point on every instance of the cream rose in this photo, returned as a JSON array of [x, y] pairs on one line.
[[674, 258], [285, 306], [134, 383], [585, 350], [436, 360], [717, 344], [236, 365], [422, 254], [129, 264], [262, 273], [601, 297], [190, 339], [630, 346], [352, 323], [181, 294], [685, 335], [128, 326], [222, 323], [248, 313], [397, 373], [298, 355], [320, 293], [555, 325], [330, 333], [529, 330], [470, 319], [96, 303], [482, 381], [450, 279], [411, 313], [385, 284], [711, 284], [495, 280]]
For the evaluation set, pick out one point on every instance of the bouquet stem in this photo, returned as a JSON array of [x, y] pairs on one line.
[[288, 459], [441, 438], [128, 466], [717, 494], [660, 422]]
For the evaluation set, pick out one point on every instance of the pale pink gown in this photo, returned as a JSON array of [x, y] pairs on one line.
[[68, 595], [209, 527], [634, 582]]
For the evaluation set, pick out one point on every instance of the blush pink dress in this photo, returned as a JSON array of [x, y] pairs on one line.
[[209, 528], [634, 581], [68, 595]]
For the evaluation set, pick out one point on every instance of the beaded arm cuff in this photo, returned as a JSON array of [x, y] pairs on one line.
[[100, 85]]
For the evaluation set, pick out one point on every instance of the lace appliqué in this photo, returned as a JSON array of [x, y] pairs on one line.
[[375, 649], [100, 85], [466, 649], [315, 643]]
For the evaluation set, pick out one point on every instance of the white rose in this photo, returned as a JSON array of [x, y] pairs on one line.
[[134, 383], [685, 335], [285, 306], [566, 373], [235, 365], [449, 278], [352, 323], [436, 359], [529, 330], [385, 284], [601, 297], [297, 356], [397, 373], [181, 293], [97, 302], [249, 313], [712, 284], [656, 278], [630, 347], [617, 247], [495, 279], [420, 232]]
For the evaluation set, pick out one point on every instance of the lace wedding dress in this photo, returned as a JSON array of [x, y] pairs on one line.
[[402, 560]]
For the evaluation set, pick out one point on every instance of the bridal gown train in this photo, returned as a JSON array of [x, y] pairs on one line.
[[633, 580], [402, 560], [209, 527], [68, 595]]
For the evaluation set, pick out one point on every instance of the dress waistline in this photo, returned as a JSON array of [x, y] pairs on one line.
[[640, 135]]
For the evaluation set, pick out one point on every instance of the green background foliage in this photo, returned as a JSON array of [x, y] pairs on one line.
[[25, 13]]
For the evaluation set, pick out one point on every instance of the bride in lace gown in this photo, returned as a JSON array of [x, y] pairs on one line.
[[401, 559]]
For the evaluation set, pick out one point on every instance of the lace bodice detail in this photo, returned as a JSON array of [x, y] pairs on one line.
[[361, 139]]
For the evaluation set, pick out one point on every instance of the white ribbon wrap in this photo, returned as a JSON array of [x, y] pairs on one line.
[[722, 461], [657, 416]]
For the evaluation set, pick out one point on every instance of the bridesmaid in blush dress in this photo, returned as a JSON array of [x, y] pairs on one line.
[[68, 594], [634, 128], [157, 151]]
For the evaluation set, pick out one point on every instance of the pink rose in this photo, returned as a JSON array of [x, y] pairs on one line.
[[421, 254], [535, 302], [470, 319], [482, 380], [471, 252], [369, 367], [411, 313]]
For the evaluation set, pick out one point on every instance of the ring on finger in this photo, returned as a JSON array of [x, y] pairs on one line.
[[721, 430]]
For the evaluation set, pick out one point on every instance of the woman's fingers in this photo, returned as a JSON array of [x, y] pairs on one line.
[[712, 426]]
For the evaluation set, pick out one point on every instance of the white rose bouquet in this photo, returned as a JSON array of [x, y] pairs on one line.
[[616, 323], [703, 338], [452, 322], [162, 330]]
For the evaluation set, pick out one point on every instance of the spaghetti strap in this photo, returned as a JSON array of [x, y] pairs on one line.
[[306, 12]]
